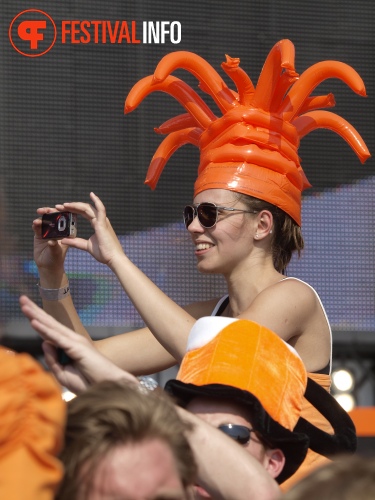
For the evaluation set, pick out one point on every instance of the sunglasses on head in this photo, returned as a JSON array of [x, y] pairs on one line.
[[207, 213], [239, 433]]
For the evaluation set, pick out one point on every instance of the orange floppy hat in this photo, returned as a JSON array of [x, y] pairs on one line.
[[32, 415], [253, 148], [250, 357], [245, 362]]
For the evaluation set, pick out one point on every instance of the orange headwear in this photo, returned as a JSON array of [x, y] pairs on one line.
[[250, 357], [245, 362], [252, 148], [32, 415]]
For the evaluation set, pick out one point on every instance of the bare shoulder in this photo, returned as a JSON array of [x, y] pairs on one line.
[[290, 292], [288, 307], [203, 308], [293, 310]]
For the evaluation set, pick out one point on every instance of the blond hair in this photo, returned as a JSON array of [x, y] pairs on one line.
[[110, 414]]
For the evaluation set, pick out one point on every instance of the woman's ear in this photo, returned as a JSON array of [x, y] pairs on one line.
[[275, 461], [264, 224]]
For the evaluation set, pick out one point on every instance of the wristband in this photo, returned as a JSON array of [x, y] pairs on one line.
[[54, 293]]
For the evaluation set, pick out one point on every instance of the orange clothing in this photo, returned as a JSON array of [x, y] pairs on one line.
[[311, 414], [32, 416]]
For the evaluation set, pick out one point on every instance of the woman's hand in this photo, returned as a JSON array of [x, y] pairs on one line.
[[103, 245], [49, 255], [88, 366]]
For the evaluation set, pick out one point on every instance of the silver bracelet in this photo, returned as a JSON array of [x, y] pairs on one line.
[[54, 293], [147, 384]]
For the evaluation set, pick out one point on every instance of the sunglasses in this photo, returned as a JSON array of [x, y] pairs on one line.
[[239, 433], [207, 213]]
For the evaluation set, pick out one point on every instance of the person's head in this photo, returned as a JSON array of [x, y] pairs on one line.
[[240, 373], [125, 443], [253, 148], [243, 222], [347, 478], [227, 378], [235, 420], [32, 426]]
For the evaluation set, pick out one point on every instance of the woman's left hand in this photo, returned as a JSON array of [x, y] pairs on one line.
[[103, 245]]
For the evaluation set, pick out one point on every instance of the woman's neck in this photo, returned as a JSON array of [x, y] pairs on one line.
[[246, 283]]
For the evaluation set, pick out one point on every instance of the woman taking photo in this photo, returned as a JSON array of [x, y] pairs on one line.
[[244, 220]]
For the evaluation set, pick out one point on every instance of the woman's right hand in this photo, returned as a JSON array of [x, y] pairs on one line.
[[49, 255]]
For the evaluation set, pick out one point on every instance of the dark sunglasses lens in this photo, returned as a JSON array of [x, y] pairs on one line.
[[188, 215], [207, 214], [239, 433]]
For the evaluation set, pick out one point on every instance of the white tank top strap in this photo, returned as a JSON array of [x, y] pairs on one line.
[[321, 305], [217, 307]]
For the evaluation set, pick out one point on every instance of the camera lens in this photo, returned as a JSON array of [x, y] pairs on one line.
[[62, 223]]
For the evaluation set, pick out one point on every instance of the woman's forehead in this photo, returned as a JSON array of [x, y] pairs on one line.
[[218, 196]]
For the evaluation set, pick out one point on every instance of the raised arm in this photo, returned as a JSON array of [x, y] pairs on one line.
[[145, 350], [225, 470]]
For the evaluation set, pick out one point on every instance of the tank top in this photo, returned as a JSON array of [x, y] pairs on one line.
[[224, 301]]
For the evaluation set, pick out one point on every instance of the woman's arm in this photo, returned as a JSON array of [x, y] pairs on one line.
[[142, 351], [168, 322]]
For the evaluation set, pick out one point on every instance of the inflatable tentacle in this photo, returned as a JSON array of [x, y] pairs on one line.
[[202, 70], [207, 91], [281, 57], [325, 119], [283, 85], [315, 75], [178, 122], [166, 149], [178, 89], [253, 147], [240, 78], [318, 102]]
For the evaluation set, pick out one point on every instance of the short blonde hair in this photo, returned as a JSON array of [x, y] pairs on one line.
[[109, 414]]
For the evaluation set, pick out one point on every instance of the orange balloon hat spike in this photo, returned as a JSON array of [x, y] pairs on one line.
[[253, 147]]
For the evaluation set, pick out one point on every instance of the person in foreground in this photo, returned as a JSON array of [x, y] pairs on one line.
[[348, 478], [244, 221], [225, 470], [32, 416], [226, 380], [120, 443]]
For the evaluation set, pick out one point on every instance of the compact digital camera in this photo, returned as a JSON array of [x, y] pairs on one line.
[[58, 225]]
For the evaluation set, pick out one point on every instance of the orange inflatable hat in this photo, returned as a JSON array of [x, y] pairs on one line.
[[253, 148], [32, 415]]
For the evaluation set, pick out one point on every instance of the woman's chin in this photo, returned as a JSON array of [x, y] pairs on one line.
[[205, 267]]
